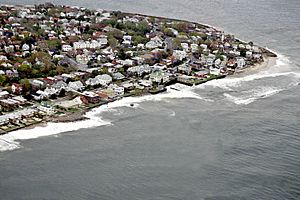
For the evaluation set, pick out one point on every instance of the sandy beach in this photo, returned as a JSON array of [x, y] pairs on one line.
[[267, 63]]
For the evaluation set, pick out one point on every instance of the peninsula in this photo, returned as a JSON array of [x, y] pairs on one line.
[[57, 62]]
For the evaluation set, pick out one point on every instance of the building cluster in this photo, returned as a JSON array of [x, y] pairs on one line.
[[53, 52]]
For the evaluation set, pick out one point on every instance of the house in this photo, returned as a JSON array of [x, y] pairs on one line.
[[82, 59], [20, 99], [118, 90], [3, 58], [26, 47], [143, 83], [4, 94], [103, 41], [46, 108], [179, 55], [16, 88], [90, 97], [92, 82], [66, 48], [139, 70], [214, 71], [8, 104], [40, 95], [148, 58], [195, 48], [12, 73], [127, 39], [248, 54], [185, 47], [127, 85], [104, 79], [202, 73], [184, 69], [37, 84], [118, 76], [76, 85], [159, 77], [69, 104], [155, 42], [51, 91], [60, 85], [50, 80], [240, 62]]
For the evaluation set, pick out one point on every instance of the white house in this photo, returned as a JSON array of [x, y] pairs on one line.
[[214, 71], [194, 48], [240, 62], [179, 55], [118, 90], [154, 43], [184, 68], [127, 39], [159, 77], [76, 85], [25, 47], [248, 54], [66, 48], [82, 59], [104, 79], [185, 47]]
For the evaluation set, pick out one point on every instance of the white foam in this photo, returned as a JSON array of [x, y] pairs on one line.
[[277, 70], [252, 95], [172, 114], [10, 141]]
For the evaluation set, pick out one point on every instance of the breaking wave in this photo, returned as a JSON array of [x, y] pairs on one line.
[[252, 95], [11, 140], [243, 91]]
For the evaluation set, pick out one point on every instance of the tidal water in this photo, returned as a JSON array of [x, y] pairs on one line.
[[235, 138]]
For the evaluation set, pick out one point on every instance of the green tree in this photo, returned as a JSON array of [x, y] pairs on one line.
[[143, 28], [3, 79], [116, 34], [138, 39], [54, 44], [25, 84], [169, 32], [112, 41], [25, 71]]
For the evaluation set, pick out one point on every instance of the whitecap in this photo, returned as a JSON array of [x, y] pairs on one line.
[[253, 95]]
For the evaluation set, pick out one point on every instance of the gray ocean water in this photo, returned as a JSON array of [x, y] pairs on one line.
[[240, 141]]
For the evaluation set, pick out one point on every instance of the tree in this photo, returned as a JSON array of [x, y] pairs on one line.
[[54, 44], [112, 41], [139, 40], [25, 71], [3, 79], [169, 32], [25, 84], [116, 34], [142, 28], [121, 54], [182, 27]]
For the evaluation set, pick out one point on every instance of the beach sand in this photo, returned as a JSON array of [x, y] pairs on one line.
[[267, 63]]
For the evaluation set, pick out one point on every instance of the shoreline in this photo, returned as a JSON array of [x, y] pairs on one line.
[[81, 114], [40, 120]]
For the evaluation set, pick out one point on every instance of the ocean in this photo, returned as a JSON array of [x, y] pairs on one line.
[[234, 138]]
